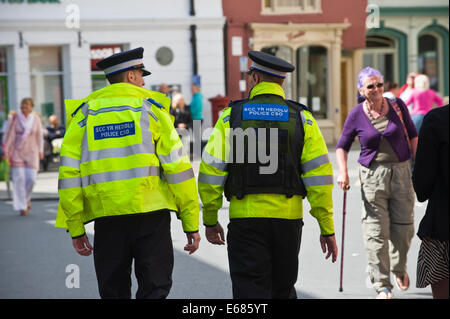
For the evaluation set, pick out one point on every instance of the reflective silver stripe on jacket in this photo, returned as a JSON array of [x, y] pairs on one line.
[[302, 115], [113, 176], [148, 107], [212, 179], [70, 162], [70, 182], [214, 161], [84, 110], [117, 152], [173, 156], [114, 109], [179, 177], [110, 176], [315, 162], [318, 180]]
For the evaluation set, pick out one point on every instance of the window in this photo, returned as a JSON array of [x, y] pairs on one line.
[[380, 53], [4, 107], [308, 83], [291, 6], [428, 60], [46, 80], [284, 53], [99, 52], [312, 75]]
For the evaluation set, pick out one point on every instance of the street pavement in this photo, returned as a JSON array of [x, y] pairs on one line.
[[38, 261]]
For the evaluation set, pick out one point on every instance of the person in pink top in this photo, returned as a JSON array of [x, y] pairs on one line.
[[24, 147], [422, 98]]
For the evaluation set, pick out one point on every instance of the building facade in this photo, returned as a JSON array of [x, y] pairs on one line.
[[323, 39], [48, 48], [410, 36]]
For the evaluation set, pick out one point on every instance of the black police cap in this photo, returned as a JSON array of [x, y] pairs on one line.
[[269, 64], [123, 61]]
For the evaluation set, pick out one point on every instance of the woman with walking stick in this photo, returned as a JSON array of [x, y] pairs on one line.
[[388, 141]]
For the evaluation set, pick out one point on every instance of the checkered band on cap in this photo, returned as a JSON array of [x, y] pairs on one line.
[[123, 66], [265, 69]]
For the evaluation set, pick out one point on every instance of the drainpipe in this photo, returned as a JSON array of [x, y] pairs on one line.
[[193, 29], [225, 49]]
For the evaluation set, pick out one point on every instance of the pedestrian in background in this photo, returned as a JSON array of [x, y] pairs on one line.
[[181, 113], [422, 99], [196, 106], [390, 90], [266, 210], [53, 136], [55, 129], [431, 179], [385, 176], [163, 88], [406, 89], [119, 145], [24, 147]]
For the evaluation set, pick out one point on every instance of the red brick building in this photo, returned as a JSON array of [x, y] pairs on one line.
[[323, 39]]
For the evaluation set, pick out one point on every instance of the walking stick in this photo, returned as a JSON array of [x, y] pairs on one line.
[[343, 236]]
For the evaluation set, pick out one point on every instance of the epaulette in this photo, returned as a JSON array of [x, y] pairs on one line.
[[76, 110], [237, 101], [155, 103]]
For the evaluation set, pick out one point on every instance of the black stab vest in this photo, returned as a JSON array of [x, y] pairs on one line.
[[245, 167]]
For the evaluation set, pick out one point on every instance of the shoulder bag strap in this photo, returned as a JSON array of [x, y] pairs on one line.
[[400, 115]]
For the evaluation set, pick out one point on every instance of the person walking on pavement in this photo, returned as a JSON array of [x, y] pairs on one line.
[[180, 111], [385, 176], [121, 166], [422, 99], [430, 180], [52, 140], [196, 106], [24, 147], [265, 226], [406, 89]]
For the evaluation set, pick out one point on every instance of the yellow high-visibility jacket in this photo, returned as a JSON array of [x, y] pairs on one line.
[[317, 176], [121, 155]]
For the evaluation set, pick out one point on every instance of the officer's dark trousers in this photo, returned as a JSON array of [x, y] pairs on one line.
[[263, 257], [146, 239]]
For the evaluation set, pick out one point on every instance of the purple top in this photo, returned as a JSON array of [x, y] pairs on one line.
[[358, 124]]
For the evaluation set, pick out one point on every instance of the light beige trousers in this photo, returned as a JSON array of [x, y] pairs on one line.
[[387, 219]]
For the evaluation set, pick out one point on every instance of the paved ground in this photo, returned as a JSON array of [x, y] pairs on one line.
[[36, 258]]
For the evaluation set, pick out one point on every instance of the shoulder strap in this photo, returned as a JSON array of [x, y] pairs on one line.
[[400, 115], [299, 138], [236, 114]]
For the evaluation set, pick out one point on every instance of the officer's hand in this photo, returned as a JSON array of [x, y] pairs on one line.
[[329, 243], [193, 240], [82, 245], [215, 235]]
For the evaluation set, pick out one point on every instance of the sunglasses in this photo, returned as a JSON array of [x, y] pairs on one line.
[[372, 86]]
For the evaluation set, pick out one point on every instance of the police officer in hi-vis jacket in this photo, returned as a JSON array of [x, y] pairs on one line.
[[122, 165], [267, 154]]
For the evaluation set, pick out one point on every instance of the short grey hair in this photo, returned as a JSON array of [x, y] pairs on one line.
[[368, 72]]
